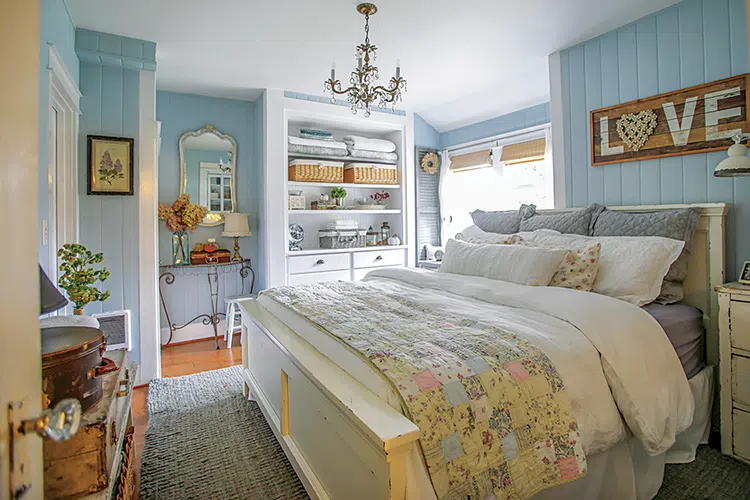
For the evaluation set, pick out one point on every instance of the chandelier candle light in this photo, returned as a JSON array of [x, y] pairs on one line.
[[236, 226], [363, 91]]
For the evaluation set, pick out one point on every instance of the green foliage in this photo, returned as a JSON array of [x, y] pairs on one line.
[[78, 275], [338, 192]]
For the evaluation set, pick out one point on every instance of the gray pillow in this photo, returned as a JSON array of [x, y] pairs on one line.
[[576, 222], [678, 224], [507, 222]]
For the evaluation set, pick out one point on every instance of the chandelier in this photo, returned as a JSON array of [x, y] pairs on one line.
[[363, 92]]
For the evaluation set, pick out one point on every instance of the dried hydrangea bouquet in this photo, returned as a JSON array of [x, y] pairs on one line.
[[181, 216]]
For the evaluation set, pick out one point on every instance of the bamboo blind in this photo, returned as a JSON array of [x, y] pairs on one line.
[[524, 152], [471, 161]]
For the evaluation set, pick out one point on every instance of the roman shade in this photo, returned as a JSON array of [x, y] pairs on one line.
[[524, 152], [471, 161]]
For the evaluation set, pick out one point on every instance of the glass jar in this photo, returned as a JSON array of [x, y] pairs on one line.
[[385, 233], [180, 249], [372, 237]]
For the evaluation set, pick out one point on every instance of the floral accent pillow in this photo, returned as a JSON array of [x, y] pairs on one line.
[[579, 268]]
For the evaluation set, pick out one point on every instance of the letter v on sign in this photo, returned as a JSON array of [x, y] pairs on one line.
[[680, 130]]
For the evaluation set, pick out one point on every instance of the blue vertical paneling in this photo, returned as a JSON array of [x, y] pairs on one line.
[[693, 42], [109, 224]]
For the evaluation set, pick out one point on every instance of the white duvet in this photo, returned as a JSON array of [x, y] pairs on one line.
[[615, 360]]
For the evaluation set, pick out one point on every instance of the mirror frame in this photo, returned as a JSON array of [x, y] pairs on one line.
[[209, 129]]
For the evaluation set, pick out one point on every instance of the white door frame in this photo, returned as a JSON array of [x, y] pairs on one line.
[[62, 172]]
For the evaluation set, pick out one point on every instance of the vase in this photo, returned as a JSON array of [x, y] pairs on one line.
[[339, 202], [180, 249], [78, 311]]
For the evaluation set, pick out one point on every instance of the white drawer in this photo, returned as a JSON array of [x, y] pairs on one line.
[[741, 379], [740, 321], [380, 258], [309, 278], [318, 263], [741, 433], [358, 274]]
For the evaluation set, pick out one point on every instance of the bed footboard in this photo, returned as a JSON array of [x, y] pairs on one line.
[[343, 441]]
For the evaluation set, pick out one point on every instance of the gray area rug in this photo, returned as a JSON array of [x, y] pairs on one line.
[[710, 476], [205, 440]]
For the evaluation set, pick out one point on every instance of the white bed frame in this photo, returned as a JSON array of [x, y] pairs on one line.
[[343, 440]]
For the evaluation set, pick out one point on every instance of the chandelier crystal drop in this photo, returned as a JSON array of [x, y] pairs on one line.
[[363, 92]]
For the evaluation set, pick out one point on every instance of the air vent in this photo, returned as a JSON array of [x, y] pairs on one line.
[[116, 328]]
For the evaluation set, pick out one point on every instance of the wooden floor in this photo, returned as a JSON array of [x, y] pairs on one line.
[[176, 361]]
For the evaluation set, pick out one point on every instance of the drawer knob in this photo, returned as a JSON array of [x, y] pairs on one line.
[[379, 257], [320, 262]]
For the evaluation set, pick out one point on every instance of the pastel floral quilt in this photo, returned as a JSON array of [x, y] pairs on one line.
[[493, 412]]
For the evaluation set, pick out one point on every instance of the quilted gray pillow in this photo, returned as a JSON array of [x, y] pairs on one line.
[[506, 222], [679, 224], [576, 222]]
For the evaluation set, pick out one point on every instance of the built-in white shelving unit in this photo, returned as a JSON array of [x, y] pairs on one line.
[[285, 116]]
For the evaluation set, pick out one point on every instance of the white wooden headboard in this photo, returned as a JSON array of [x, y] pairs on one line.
[[706, 267]]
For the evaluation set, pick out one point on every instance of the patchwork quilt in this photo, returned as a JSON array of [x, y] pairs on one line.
[[494, 415]]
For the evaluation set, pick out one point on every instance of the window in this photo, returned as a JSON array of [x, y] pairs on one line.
[[505, 174]]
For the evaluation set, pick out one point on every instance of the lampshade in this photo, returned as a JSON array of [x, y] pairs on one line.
[[236, 225], [50, 297], [737, 163]]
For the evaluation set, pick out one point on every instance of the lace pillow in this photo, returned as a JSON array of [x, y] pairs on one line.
[[579, 268]]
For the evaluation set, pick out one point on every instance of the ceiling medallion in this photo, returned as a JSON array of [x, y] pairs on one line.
[[363, 91]]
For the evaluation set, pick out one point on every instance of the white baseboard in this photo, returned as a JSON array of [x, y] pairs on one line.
[[192, 332]]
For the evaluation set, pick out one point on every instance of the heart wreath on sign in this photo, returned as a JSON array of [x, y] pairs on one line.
[[430, 163], [635, 129]]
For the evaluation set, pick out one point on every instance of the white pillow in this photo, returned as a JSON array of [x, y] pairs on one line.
[[518, 264], [631, 268]]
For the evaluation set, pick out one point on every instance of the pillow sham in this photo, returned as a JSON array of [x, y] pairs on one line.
[[631, 268], [576, 222], [679, 224], [523, 265], [505, 222]]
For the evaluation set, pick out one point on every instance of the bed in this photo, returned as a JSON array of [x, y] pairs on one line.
[[343, 427]]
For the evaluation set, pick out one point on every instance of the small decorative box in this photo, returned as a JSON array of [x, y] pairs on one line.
[[296, 202], [216, 257]]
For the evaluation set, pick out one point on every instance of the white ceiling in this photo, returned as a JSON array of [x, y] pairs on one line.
[[465, 61]]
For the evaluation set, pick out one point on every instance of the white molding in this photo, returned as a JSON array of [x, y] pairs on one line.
[[558, 138], [275, 199], [195, 331], [148, 249], [537, 131], [62, 180]]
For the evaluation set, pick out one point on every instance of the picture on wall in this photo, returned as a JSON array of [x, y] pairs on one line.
[[110, 165], [692, 120]]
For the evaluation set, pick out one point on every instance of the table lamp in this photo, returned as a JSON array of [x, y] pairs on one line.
[[737, 163], [236, 226]]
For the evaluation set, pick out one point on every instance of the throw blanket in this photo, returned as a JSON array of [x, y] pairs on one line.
[[298, 141], [317, 150], [359, 142], [493, 412], [372, 155]]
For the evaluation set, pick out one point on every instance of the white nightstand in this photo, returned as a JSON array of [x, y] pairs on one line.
[[734, 369]]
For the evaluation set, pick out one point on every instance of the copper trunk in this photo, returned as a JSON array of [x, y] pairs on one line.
[[72, 365]]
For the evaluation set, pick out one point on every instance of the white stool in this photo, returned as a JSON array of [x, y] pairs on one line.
[[234, 317]]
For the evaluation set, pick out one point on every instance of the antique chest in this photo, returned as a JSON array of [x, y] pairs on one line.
[[94, 463], [215, 257]]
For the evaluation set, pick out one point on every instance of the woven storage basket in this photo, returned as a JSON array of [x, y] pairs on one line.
[[316, 171], [332, 239], [368, 173]]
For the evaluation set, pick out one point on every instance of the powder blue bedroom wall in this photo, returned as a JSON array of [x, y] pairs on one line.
[[523, 118], [55, 27], [424, 134], [179, 113], [692, 42], [109, 224]]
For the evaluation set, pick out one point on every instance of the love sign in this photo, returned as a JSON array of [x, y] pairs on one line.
[[693, 120]]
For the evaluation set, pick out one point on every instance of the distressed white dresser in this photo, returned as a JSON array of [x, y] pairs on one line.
[[734, 369]]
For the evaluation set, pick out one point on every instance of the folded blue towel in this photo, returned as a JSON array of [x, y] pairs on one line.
[[315, 132], [328, 138]]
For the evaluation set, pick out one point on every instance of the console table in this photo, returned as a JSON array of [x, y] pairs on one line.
[[213, 271]]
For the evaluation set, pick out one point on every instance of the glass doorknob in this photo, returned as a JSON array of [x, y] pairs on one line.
[[58, 424]]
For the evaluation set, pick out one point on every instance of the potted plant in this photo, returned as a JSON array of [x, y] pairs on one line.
[[181, 216], [381, 198], [79, 276], [338, 194]]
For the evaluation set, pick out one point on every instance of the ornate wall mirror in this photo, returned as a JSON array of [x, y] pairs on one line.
[[208, 164]]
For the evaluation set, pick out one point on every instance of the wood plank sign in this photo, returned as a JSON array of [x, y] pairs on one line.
[[693, 120]]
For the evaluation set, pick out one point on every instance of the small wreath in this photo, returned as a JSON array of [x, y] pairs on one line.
[[430, 163]]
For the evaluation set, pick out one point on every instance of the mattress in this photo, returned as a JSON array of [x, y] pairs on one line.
[[683, 325]]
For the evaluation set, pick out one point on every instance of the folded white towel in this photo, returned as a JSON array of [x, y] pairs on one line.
[[342, 224], [359, 142], [313, 142]]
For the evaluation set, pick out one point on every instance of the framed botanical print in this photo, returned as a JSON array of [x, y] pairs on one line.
[[110, 165]]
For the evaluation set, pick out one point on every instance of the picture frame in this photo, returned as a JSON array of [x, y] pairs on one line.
[[110, 165], [745, 273]]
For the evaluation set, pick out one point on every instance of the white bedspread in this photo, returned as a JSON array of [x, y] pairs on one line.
[[613, 357]]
